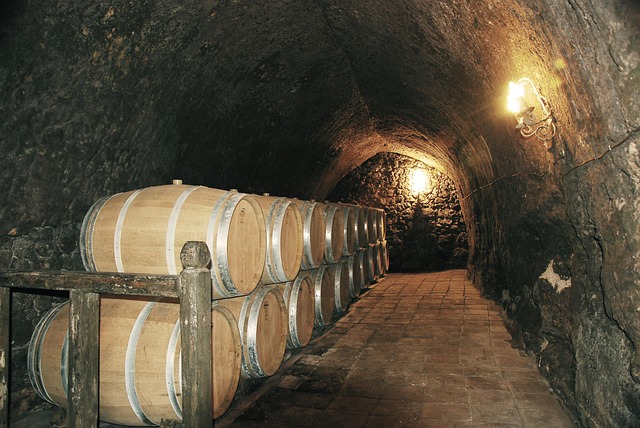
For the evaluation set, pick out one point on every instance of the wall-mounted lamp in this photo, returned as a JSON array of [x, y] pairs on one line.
[[420, 181], [531, 110]]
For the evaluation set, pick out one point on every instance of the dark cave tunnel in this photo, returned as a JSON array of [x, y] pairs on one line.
[[332, 100]]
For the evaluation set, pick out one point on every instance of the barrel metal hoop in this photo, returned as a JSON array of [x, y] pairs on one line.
[[243, 327], [231, 201], [118, 232], [252, 333], [352, 280], [331, 211], [64, 364], [319, 279], [34, 353], [212, 234], [172, 224], [170, 368], [293, 291], [276, 266], [307, 210], [337, 286], [130, 362], [86, 234]]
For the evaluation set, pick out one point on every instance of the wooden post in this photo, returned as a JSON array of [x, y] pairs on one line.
[[5, 353], [84, 359], [195, 325]]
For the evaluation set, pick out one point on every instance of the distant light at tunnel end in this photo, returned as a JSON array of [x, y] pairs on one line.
[[420, 181]]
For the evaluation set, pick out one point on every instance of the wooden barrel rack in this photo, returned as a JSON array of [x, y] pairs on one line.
[[315, 259]]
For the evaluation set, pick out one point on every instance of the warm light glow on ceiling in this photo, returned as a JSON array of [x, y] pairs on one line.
[[515, 99], [420, 181]]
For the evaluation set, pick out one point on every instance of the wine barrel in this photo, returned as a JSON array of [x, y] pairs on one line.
[[381, 224], [368, 265], [284, 239], [356, 273], [375, 257], [372, 224], [313, 231], [324, 295], [299, 298], [334, 233], [262, 321], [361, 236], [364, 236], [384, 256], [348, 229], [139, 381], [340, 272], [143, 231]]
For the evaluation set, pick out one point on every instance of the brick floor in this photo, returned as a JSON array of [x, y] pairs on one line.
[[424, 350]]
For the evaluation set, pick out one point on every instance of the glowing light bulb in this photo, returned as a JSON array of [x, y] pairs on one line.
[[419, 181], [515, 99]]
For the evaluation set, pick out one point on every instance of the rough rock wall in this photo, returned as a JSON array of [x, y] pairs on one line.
[[425, 232], [575, 305]]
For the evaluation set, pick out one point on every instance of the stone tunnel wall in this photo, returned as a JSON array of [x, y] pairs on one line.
[[425, 232]]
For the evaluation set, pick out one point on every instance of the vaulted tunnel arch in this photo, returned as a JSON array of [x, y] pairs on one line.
[[290, 97]]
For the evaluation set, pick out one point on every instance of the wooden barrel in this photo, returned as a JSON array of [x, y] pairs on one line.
[[348, 229], [140, 362], [381, 224], [361, 236], [340, 277], [324, 295], [368, 265], [284, 239], [313, 231], [384, 256], [262, 321], [334, 233], [143, 232], [356, 273], [377, 260], [364, 241], [299, 298], [372, 225]]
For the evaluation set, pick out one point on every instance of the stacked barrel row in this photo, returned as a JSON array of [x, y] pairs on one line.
[[279, 268]]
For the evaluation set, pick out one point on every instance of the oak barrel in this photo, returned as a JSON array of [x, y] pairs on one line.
[[313, 231], [284, 239], [140, 362], [384, 256], [377, 260], [334, 233], [368, 265], [262, 321], [299, 298], [361, 236], [356, 273], [143, 231], [324, 295], [348, 229], [340, 272], [381, 224], [372, 224]]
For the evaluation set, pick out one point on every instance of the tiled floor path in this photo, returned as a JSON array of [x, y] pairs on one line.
[[422, 350]]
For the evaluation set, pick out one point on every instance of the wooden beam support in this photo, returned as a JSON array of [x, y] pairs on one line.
[[84, 359], [5, 354], [95, 282], [195, 324]]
